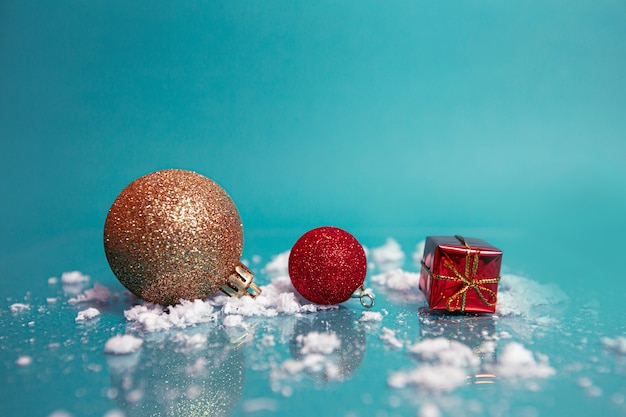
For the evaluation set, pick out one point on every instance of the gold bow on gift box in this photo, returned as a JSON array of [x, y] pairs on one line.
[[457, 301]]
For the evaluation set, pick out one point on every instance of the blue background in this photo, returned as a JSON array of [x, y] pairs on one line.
[[504, 120], [479, 114], [403, 119]]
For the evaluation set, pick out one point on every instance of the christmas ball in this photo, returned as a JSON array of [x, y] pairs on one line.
[[327, 265], [173, 235]]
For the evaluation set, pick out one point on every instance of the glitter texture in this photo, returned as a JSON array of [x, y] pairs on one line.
[[173, 235], [327, 265]]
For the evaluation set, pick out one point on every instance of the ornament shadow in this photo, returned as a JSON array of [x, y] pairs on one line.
[[177, 373], [346, 358]]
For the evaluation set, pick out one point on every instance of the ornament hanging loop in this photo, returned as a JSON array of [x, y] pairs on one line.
[[240, 283], [365, 296]]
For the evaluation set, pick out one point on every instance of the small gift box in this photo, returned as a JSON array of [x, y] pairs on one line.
[[460, 274]]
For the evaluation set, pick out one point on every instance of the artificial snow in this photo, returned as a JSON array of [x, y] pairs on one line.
[[313, 363], [24, 360], [517, 362], [368, 316], [122, 344], [194, 341], [268, 340], [388, 256], [519, 296], [254, 405], [444, 366], [316, 342], [446, 352], [98, 293], [18, 307], [418, 253], [151, 317], [233, 320], [429, 378], [59, 413], [389, 338], [401, 286], [279, 265], [277, 298], [617, 345], [114, 413], [87, 314], [398, 280], [429, 410], [197, 367], [74, 277], [316, 356]]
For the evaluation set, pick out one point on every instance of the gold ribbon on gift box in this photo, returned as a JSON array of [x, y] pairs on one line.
[[469, 281]]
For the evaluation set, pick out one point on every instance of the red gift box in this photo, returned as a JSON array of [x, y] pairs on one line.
[[460, 274]]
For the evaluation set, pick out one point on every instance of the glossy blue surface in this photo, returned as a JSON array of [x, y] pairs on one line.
[[495, 120]]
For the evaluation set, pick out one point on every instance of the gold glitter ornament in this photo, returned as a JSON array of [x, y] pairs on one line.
[[175, 234]]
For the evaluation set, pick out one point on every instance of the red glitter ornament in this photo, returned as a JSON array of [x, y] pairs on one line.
[[327, 265]]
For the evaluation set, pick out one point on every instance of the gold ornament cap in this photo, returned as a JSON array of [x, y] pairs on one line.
[[175, 234]]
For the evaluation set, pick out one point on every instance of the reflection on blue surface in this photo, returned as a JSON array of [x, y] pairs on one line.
[[250, 370], [171, 376], [495, 120]]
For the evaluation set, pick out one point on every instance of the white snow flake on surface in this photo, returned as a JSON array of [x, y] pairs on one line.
[[59, 413], [277, 298], [518, 296], [279, 265], [444, 351], [617, 345], [87, 314], [398, 280], [316, 356], [316, 342], [151, 317], [388, 256], [194, 341], [122, 344], [389, 337], [445, 365], [400, 286], [98, 293], [368, 316], [255, 405], [18, 307], [517, 362], [233, 320], [74, 277], [114, 413], [429, 377], [418, 253], [429, 410], [24, 360]]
